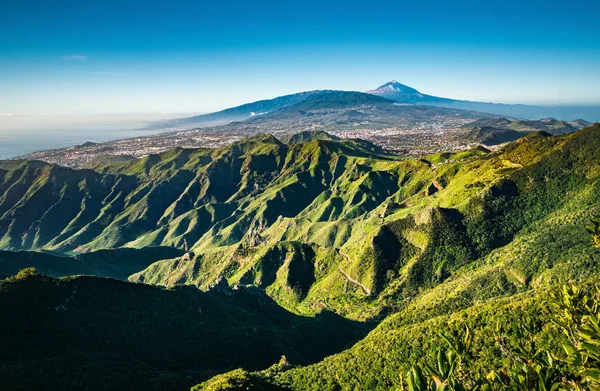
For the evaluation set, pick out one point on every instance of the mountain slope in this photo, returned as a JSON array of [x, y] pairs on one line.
[[168, 199], [550, 125], [550, 187], [497, 328], [404, 128], [118, 263], [348, 113], [334, 100], [238, 113], [495, 131], [307, 136], [100, 334], [392, 90], [490, 136], [407, 95], [320, 227], [397, 229], [282, 107], [334, 224], [404, 94]]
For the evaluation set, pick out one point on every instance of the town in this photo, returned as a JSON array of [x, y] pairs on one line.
[[401, 136]]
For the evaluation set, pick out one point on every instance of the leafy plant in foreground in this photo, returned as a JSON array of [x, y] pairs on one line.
[[575, 311], [531, 367], [594, 229]]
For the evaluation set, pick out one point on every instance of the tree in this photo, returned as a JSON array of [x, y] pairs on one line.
[[575, 311], [594, 229]]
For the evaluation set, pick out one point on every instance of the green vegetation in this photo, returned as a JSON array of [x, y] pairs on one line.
[[495, 131], [94, 333], [324, 224], [548, 339], [238, 380], [119, 263], [574, 312], [488, 135], [454, 156], [307, 136], [100, 161], [594, 229], [548, 125], [333, 231]]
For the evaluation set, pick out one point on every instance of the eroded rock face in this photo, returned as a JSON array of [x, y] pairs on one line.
[[431, 189], [220, 286]]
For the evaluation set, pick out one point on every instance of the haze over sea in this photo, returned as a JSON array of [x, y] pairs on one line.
[[22, 134]]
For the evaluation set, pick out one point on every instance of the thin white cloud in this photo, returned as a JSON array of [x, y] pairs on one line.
[[108, 73], [76, 57]]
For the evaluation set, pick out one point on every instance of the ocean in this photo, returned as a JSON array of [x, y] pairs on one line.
[[20, 135]]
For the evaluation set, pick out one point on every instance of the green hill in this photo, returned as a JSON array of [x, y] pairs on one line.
[[324, 224], [550, 125], [494, 131], [452, 157], [384, 230], [521, 324], [118, 263], [488, 135], [161, 199], [101, 334], [307, 136], [549, 187], [321, 226]]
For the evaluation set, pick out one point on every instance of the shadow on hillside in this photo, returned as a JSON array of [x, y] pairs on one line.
[[117, 263], [95, 333], [316, 337]]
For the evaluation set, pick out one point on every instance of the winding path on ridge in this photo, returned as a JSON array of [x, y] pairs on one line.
[[365, 290]]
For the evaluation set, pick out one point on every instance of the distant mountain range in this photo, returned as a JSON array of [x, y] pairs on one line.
[[401, 93], [404, 127], [495, 131], [238, 113], [392, 91], [280, 106], [344, 113]]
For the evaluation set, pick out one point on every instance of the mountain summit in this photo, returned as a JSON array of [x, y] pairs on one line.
[[395, 87], [404, 94]]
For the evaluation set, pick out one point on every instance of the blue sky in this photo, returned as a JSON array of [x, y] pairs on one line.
[[198, 56]]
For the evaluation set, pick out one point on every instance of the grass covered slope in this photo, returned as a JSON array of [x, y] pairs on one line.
[[548, 125], [488, 135], [324, 224], [499, 328], [495, 131], [93, 333], [165, 199], [382, 233], [117, 263], [528, 232]]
